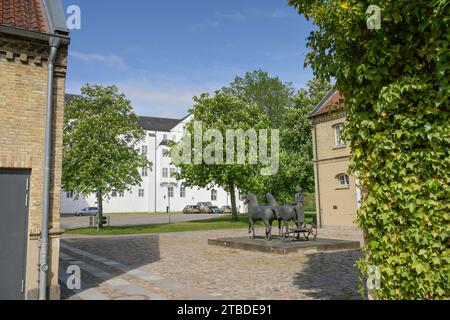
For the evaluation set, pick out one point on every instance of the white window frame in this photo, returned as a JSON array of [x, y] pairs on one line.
[[171, 192], [114, 194], [144, 151], [213, 195], [144, 172], [172, 172], [165, 173], [344, 181], [70, 194], [182, 192], [339, 143], [141, 193]]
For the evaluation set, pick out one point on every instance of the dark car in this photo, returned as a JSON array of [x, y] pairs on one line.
[[214, 210], [226, 209], [191, 210]]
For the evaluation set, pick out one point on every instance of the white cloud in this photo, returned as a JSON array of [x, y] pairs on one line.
[[110, 59], [221, 18], [282, 14], [218, 20], [231, 16]]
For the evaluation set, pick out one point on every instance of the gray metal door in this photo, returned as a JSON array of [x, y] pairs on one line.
[[14, 185]]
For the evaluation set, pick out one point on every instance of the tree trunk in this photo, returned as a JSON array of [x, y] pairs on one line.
[[234, 214], [100, 208]]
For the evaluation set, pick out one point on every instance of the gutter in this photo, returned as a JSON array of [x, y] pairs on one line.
[[317, 177], [33, 34], [54, 42]]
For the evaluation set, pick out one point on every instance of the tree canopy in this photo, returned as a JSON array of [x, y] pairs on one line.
[[296, 157], [101, 143], [221, 112], [270, 94]]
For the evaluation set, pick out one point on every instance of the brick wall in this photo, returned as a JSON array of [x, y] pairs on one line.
[[338, 205], [23, 88]]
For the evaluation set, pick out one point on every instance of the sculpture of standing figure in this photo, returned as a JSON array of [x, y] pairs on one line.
[[300, 207]]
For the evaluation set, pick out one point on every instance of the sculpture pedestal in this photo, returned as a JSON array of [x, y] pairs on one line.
[[279, 246]]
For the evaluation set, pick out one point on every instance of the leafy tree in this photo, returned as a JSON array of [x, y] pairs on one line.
[[288, 113], [396, 83], [101, 137], [270, 94], [296, 159], [220, 112]]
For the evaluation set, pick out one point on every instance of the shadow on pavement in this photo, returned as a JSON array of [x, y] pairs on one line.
[[131, 252], [331, 276]]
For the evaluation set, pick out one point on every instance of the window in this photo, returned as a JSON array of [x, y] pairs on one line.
[[165, 137], [182, 192], [69, 195], [114, 194], [344, 181], [171, 192], [338, 135], [144, 172], [166, 153], [213, 195], [144, 150], [165, 172], [173, 172], [141, 193], [121, 194]]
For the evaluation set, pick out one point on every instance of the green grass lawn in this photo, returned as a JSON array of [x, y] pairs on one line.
[[202, 225], [140, 214]]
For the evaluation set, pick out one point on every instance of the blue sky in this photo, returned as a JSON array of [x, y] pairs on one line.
[[162, 53]]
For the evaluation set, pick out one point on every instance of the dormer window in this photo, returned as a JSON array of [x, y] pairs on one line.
[[339, 142]]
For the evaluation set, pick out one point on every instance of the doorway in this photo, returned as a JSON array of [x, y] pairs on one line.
[[14, 203]]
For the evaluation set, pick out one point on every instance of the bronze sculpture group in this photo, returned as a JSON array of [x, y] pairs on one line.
[[284, 214]]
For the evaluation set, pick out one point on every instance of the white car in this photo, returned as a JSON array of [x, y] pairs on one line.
[[90, 211]]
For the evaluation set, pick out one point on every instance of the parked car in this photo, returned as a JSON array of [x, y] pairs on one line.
[[191, 210], [214, 210], [226, 209], [204, 207], [90, 211]]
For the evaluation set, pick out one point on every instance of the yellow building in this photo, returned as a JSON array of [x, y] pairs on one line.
[[337, 196], [33, 60]]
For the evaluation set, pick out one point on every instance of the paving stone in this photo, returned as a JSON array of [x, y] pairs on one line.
[[184, 266]]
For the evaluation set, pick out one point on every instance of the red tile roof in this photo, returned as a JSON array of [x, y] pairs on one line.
[[25, 14], [327, 103]]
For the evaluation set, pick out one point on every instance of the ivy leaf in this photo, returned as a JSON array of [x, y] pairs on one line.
[[374, 244]]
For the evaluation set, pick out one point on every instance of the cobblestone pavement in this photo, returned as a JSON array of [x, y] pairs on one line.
[[184, 266]]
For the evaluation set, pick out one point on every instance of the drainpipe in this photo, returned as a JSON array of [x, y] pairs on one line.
[[156, 167], [318, 178], [54, 43]]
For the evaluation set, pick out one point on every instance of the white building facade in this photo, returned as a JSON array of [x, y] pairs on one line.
[[159, 190]]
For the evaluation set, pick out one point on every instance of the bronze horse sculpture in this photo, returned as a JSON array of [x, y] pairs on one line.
[[285, 214], [256, 212]]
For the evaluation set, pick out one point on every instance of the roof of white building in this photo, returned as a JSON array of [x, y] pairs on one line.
[[147, 123], [158, 124]]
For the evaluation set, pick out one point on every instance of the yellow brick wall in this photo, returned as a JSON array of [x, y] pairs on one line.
[[23, 88], [338, 206]]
